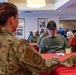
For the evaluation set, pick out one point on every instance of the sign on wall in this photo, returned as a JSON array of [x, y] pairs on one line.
[[42, 22], [20, 29]]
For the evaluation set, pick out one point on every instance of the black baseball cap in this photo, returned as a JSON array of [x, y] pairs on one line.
[[51, 25]]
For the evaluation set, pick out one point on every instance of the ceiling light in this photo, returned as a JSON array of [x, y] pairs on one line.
[[36, 3]]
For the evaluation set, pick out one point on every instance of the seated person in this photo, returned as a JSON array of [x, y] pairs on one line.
[[44, 34], [72, 40], [53, 43], [37, 33], [34, 38], [31, 34]]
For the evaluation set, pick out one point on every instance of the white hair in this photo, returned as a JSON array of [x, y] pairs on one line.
[[70, 33]]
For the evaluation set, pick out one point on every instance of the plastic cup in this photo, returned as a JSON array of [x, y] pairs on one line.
[[68, 50]]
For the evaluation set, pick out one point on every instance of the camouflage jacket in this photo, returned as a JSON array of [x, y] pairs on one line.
[[17, 57]]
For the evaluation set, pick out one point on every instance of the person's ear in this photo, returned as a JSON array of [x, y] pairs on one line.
[[12, 20]]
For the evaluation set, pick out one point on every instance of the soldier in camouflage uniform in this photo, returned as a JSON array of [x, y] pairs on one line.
[[17, 57]]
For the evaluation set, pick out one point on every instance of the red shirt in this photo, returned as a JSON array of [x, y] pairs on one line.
[[72, 42]]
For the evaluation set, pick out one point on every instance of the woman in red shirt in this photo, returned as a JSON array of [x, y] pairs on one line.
[[72, 40]]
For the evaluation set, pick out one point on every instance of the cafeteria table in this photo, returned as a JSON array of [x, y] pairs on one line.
[[61, 70]]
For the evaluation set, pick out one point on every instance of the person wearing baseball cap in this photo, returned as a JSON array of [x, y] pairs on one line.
[[53, 43], [52, 28]]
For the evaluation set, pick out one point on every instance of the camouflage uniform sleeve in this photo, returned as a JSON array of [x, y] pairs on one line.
[[69, 62], [32, 60], [25, 56], [17, 56]]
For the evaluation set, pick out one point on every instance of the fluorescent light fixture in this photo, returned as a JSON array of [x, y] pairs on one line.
[[36, 3]]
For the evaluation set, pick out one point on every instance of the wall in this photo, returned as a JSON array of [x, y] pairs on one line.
[[68, 24], [31, 21]]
